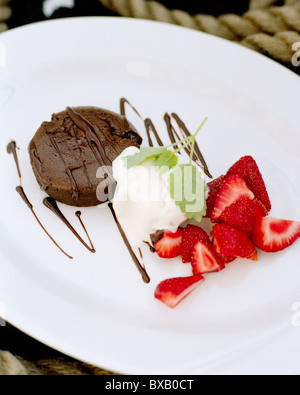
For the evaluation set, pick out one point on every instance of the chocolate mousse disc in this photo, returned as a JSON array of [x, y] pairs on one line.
[[67, 152]]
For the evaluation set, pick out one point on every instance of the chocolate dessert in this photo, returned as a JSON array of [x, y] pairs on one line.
[[67, 152]]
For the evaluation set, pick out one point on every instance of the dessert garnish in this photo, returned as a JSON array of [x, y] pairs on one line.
[[12, 149], [51, 204], [238, 206], [139, 266]]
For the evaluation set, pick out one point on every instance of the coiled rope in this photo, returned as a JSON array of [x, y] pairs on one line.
[[266, 28], [5, 14]]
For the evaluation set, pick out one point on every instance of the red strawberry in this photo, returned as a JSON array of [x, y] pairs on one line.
[[248, 169], [272, 234], [258, 208], [232, 189], [191, 234], [213, 190], [239, 214], [204, 259], [225, 259], [172, 291], [170, 245], [230, 241]]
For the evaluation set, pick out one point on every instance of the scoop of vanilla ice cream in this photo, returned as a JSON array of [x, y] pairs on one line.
[[142, 200]]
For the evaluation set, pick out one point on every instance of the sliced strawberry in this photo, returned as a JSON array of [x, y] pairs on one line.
[[170, 244], [225, 259], [273, 234], [191, 234], [259, 210], [174, 290], [239, 214], [230, 241], [248, 169], [233, 188], [213, 190], [204, 259]]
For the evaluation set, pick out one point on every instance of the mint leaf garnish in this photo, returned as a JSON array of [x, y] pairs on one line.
[[187, 189], [166, 160], [144, 154]]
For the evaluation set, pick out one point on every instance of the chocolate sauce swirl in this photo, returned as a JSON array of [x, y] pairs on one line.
[[173, 135], [138, 264], [12, 149], [51, 204]]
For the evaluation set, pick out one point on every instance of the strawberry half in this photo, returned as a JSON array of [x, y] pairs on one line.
[[170, 244], [239, 214], [272, 234], [191, 234], [174, 290], [230, 241], [233, 188], [204, 259], [213, 190], [248, 169]]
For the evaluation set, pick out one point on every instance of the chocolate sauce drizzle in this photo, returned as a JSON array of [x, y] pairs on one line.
[[12, 149], [51, 204], [147, 122], [138, 264], [69, 170], [197, 155], [93, 140], [172, 133]]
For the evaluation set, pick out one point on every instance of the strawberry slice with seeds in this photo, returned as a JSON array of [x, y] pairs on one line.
[[259, 210], [192, 234], [204, 259], [172, 291], [249, 170], [230, 241], [233, 188], [213, 190], [240, 214], [273, 234], [170, 244]]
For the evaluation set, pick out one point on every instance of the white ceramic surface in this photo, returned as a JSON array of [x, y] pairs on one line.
[[96, 308]]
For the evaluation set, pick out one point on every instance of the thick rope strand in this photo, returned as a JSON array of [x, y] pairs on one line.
[[5, 14], [263, 28]]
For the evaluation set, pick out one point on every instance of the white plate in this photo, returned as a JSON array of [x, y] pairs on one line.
[[96, 308]]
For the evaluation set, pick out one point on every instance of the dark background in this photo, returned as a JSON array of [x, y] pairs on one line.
[[28, 11]]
